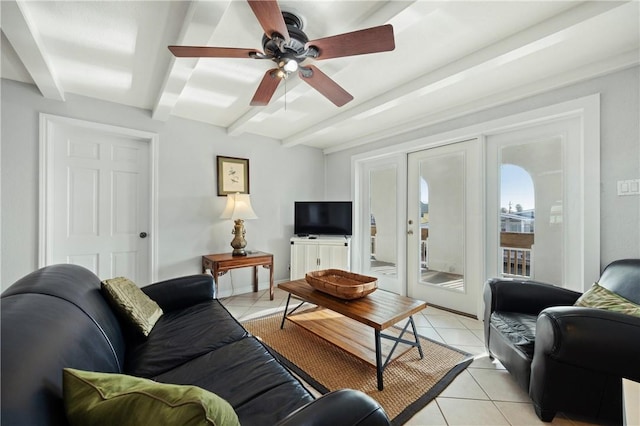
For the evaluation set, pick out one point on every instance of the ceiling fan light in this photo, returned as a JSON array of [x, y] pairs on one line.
[[291, 66]]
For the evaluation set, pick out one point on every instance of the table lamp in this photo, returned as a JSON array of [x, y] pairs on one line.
[[239, 209]]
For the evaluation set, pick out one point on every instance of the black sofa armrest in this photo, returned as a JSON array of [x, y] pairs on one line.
[[524, 296], [179, 293], [339, 408], [611, 343]]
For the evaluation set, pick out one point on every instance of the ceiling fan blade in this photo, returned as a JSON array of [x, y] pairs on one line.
[[325, 85], [270, 17], [370, 40], [212, 52], [266, 89]]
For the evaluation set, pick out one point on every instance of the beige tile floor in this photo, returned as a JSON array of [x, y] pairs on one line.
[[483, 394]]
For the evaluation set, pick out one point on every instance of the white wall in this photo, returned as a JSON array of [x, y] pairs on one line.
[[619, 152], [188, 205]]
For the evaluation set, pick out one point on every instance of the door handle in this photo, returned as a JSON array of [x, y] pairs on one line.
[[143, 235], [410, 232]]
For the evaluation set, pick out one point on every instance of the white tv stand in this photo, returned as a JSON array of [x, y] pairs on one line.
[[319, 252]]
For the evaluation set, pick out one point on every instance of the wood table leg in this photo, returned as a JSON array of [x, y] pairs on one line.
[[271, 281], [255, 279], [215, 277]]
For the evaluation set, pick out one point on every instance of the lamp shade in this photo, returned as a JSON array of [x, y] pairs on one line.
[[238, 207]]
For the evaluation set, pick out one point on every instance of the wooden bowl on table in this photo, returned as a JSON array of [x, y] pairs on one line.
[[342, 284]]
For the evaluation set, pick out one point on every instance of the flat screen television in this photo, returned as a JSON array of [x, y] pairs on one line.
[[322, 218]]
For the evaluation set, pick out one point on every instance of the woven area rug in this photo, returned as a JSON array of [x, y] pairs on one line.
[[410, 383]]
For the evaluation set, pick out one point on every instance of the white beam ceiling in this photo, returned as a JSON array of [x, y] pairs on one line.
[[491, 57], [197, 30], [451, 59], [19, 29]]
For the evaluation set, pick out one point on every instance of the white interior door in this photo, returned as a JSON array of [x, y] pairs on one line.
[[444, 226], [98, 201]]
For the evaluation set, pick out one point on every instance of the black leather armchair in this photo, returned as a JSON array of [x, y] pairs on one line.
[[569, 359]]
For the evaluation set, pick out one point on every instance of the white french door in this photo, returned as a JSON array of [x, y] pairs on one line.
[[97, 200], [444, 226], [552, 155], [454, 213], [382, 204]]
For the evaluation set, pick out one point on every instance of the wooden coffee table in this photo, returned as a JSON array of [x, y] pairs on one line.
[[379, 310]]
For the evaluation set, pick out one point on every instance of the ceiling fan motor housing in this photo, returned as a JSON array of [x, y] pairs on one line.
[[279, 49]]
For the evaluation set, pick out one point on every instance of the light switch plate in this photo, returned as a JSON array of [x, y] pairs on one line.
[[629, 187]]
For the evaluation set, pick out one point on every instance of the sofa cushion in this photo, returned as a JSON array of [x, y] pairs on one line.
[[131, 303], [602, 298], [259, 388], [116, 399], [518, 328], [180, 336]]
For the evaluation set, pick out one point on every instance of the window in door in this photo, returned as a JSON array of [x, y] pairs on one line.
[[424, 225], [384, 219], [441, 221], [532, 181], [379, 248], [517, 220]]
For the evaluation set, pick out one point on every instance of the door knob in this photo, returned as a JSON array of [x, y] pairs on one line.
[[410, 232], [143, 235]]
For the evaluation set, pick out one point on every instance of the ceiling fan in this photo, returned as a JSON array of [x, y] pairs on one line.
[[287, 45]]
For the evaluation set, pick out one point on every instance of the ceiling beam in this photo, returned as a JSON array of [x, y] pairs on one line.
[[20, 30], [519, 45], [198, 28], [383, 14], [407, 130]]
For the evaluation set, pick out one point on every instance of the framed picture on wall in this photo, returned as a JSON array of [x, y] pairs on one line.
[[233, 175]]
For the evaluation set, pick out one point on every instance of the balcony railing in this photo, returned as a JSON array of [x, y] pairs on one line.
[[516, 254], [424, 254], [515, 248], [516, 262]]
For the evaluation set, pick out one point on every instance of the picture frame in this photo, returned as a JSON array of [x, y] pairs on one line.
[[233, 175]]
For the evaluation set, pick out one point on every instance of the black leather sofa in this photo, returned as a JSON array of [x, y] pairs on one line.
[[56, 317], [569, 359]]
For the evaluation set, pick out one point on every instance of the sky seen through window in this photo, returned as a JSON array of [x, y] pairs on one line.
[[516, 187]]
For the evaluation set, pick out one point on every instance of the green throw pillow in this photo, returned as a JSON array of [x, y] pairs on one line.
[[601, 298], [96, 399], [132, 303]]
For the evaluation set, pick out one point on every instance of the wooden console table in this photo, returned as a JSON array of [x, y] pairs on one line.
[[219, 264]]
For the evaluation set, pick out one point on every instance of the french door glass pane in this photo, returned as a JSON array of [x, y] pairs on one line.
[[531, 210], [442, 218], [384, 219]]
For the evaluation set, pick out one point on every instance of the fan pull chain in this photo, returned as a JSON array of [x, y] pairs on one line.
[[285, 93]]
